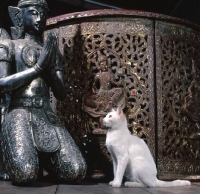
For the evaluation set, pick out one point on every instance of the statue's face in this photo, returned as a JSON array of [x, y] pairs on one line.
[[34, 19], [104, 65]]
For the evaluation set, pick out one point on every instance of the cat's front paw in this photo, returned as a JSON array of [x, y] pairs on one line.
[[110, 183], [115, 184]]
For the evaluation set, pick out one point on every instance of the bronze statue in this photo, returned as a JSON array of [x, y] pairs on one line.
[[31, 132], [106, 92]]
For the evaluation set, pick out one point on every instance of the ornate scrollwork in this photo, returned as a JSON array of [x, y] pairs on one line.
[[176, 45], [129, 47], [128, 40], [191, 103]]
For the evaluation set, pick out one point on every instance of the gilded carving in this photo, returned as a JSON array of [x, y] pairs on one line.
[[105, 92], [178, 155], [191, 103], [127, 38], [128, 46]]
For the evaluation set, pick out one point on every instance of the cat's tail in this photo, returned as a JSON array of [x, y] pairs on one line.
[[175, 183]]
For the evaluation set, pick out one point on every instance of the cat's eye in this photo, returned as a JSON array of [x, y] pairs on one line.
[[110, 116]]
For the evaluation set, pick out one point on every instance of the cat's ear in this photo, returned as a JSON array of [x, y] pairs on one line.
[[113, 110], [120, 111]]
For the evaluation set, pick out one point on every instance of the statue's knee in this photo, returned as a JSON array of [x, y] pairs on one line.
[[75, 172], [24, 174], [80, 170]]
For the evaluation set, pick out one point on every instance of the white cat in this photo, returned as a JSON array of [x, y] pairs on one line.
[[131, 156]]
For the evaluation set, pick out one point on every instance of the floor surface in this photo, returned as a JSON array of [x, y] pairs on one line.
[[6, 187]]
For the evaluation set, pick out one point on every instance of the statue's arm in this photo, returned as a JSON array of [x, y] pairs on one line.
[[56, 78], [112, 79], [115, 83], [94, 85], [5, 70], [16, 80], [12, 82], [9, 82], [57, 84]]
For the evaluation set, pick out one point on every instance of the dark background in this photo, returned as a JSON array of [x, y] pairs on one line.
[[186, 9]]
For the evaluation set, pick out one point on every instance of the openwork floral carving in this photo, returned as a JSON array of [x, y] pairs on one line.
[[135, 47], [128, 45], [176, 46]]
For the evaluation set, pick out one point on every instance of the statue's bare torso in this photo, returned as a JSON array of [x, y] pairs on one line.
[[26, 55]]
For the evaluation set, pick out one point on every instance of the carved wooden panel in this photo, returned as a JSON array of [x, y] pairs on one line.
[[129, 45], [155, 68], [178, 153]]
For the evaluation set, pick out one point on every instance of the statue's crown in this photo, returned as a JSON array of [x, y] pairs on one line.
[[101, 57], [25, 3]]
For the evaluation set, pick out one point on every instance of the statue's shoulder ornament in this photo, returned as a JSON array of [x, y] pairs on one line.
[[6, 46]]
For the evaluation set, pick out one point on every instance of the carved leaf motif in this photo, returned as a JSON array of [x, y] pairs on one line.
[[131, 61], [16, 17]]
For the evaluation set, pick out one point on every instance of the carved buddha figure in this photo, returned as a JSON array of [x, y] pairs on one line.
[[106, 92], [30, 130]]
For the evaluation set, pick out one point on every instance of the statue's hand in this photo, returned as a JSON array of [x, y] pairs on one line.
[[48, 53]]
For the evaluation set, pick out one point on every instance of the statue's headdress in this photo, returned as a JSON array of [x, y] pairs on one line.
[[16, 15], [101, 57], [25, 3]]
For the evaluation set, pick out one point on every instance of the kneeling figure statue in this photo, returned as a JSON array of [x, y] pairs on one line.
[[31, 132]]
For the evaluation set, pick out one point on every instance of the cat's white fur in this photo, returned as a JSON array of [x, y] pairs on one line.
[[131, 156]]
